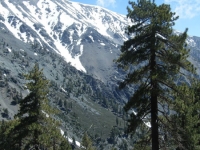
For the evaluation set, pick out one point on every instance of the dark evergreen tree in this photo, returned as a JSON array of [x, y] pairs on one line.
[[153, 55], [123, 145], [114, 133], [73, 143], [60, 102], [6, 137], [36, 129], [5, 113], [86, 142], [65, 145], [65, 104], [187, 121]]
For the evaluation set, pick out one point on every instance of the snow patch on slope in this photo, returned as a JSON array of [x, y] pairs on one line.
[[91, 38], [103, 44], [147, 123], [50, 13], [70, 139], [46, 20], [191, 42]]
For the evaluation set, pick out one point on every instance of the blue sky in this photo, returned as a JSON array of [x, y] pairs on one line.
[[187, 10]]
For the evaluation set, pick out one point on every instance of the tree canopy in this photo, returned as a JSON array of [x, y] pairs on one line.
[[34, 126], [86, 142], [156, 59]]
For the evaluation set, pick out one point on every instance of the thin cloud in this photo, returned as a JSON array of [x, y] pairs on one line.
[[106, 3], [185, 8]]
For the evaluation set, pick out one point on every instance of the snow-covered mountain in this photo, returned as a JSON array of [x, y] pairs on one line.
[[82, 34], [89, 37]]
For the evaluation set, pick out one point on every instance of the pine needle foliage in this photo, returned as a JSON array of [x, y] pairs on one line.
[[36, 129], [86, 143], [5, 137], [158, 57], [187, 117]]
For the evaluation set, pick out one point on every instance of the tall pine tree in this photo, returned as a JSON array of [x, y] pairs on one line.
[[86, 142], [36, 129], [157, 55]]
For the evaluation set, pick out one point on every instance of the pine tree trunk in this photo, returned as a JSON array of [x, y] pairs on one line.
[[154, 101], [54, 144], [154, 122]]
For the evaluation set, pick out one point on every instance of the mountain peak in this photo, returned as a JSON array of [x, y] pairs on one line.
[[48, 21]]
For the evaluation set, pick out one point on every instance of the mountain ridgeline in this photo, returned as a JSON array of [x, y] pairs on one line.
[[75, 45]]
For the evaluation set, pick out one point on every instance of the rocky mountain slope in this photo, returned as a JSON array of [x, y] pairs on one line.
[[82, 34], [75, 44], [89, 37]]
